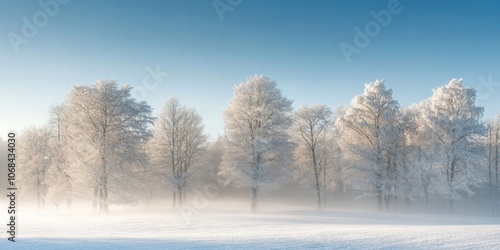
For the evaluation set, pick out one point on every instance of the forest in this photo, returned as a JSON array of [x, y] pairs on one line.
[[103, 146]]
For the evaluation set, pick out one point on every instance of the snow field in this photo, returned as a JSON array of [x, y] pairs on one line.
[[240, 230]]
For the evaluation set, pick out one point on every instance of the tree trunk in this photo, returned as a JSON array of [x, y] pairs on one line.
[[318, 193], [104, 186], [101, 207], [95, 198], [490, 182], [490, 171], [181, 201], [450, 201], [39, 190], [105, 200], [184, 193], [44, 193], [317, 183], [39, 202], [254, 198], [427, 205], [378, 185], [387, 200], [69, 201], [173, 198], [379, 192], [324, 187], [319, 199], [379, 200], [451, 189]]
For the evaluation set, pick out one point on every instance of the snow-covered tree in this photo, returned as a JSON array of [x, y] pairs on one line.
[[493, 160], [454, 120], [59, 168], [336, 168], [213, 159], [106, 133], [401, 177], [178, 146], [258, 152], [35, 157], [368, 134], [45, 167], [422, 155], [311, 129]]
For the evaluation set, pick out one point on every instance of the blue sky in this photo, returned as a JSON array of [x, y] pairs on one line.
[[296, 43]]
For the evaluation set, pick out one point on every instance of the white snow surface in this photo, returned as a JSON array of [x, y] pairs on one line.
[[219, 229]]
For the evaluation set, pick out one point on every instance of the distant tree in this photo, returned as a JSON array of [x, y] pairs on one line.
[[59, 186], [107, 130], [178, 146], [312, 126], [59, 165], [368, 133], [258, 151], [455, 122], [215, 151], [337, 178], [492, 155], [35, 154]]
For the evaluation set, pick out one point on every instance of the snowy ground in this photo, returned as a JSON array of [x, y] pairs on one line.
[[218, 229]]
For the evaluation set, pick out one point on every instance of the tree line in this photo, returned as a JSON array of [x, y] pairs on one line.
[[103, 145]]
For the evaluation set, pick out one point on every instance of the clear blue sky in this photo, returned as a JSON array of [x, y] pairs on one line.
[[294, 42]]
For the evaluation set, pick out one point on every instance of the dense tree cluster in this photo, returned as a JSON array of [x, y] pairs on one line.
[[103, 145]]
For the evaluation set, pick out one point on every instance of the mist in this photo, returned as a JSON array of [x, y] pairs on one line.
[[245, 124], [285, 221]]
